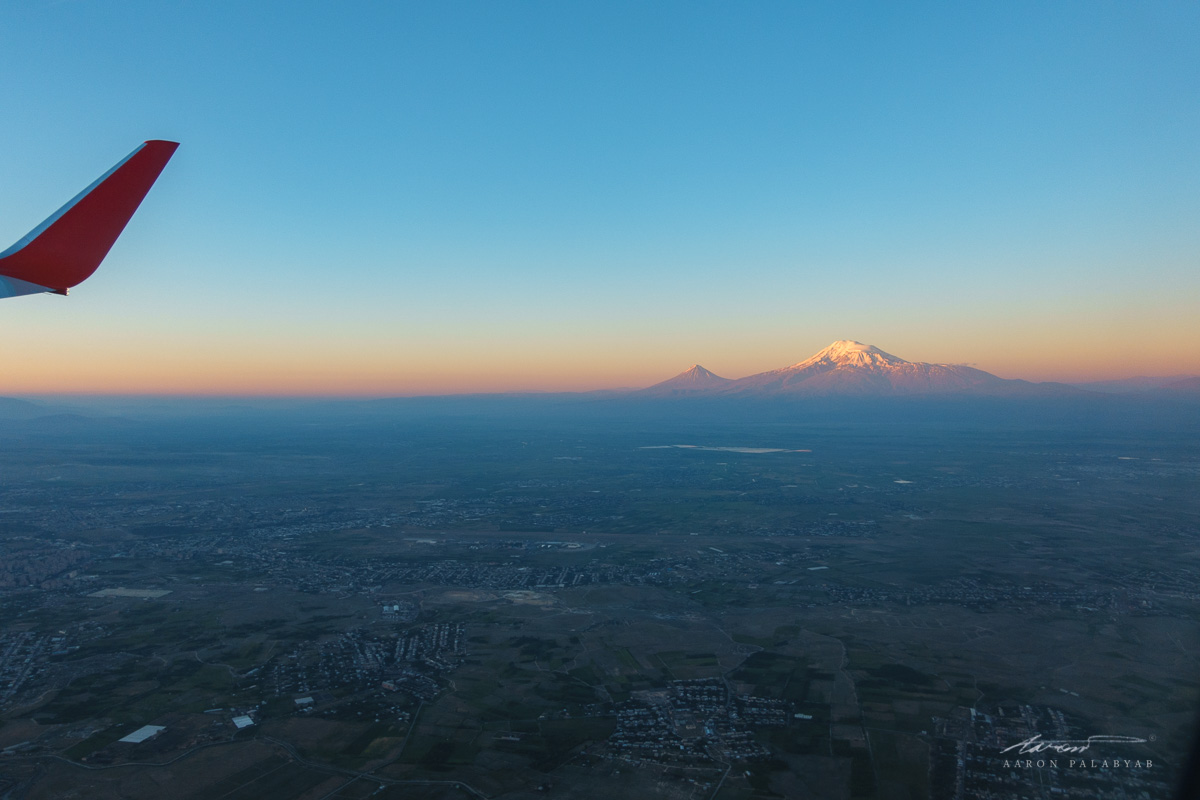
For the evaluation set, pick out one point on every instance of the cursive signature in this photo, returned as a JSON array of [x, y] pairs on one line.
[[1035, 744]]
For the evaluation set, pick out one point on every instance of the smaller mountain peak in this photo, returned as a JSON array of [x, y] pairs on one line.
[[693, 378], [698, 374]]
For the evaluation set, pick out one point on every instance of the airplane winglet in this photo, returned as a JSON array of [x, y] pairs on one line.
[[68, 247]]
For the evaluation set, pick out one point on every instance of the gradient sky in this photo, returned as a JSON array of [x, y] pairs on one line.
[[406, 198]]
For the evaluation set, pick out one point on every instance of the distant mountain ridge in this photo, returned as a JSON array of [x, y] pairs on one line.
[[1143, 384], [848, 367], [13, 408]]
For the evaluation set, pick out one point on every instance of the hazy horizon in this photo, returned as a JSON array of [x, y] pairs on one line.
[[514, 385], [519, 389]]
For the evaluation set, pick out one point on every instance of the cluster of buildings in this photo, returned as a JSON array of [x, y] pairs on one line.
[[41, 564], [22, 656], [696, 721], [412, 661], [513, 511], [983, 594], [844, 529]]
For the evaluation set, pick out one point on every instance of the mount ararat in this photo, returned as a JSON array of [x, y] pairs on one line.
[[851, 368]]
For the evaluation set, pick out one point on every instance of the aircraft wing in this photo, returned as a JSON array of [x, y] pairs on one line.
[[68, 247]]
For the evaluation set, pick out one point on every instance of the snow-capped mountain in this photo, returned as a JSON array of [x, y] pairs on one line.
[[851, 368], [848, 367], [693, 380]]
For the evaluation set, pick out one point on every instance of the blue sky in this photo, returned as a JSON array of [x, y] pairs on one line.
[[400, 198]]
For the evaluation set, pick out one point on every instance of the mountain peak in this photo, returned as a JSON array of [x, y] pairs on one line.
[[696, 375], [849, 353]]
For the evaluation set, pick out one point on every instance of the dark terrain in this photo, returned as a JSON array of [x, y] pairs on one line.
[[594, 597]]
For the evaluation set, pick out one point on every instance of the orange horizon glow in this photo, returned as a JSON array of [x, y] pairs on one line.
[[333, 373], [84, 349]]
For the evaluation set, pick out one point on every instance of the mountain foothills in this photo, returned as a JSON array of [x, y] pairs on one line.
[[852, 368]]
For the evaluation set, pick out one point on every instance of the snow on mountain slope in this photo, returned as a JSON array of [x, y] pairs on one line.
[[848, 367]]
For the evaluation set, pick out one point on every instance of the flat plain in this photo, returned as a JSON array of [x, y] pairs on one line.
[[503, 604]]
